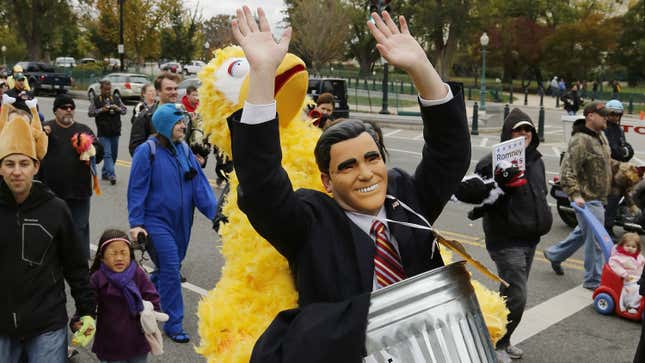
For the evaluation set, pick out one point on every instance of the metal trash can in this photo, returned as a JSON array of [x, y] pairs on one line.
[[432, 317]]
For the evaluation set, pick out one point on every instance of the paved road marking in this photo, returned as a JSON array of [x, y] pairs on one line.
[[185, 285], [556, 151], [572, 263], [389, 134], [418, 137], [483, 142], [550, 312]]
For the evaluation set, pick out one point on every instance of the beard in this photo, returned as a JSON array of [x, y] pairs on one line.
[[66, 120]]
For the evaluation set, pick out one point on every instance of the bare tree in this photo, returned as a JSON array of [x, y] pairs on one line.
[[320, 30]]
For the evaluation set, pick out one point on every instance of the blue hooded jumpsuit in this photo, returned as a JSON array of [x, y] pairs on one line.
[[162, 201]]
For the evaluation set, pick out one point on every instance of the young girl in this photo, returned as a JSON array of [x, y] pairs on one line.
[[627, 262], [121, 286]]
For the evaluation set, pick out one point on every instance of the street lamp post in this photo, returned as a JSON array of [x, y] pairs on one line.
[[4, 58], [384, 88], [207, 46], [121, 47], [483, 40]]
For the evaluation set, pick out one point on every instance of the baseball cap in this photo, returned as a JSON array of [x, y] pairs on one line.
[[523, 123], [19, 76], [597, 107]]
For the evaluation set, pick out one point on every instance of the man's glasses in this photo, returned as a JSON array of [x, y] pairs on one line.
[[67, 107]]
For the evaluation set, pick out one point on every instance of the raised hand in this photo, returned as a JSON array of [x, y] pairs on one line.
[[400, 49], [261, 50], [396, 45]]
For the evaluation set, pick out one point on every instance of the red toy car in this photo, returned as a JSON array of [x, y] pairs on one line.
[[606, 297]]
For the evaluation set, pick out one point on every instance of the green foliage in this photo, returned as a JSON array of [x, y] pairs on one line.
[[575, 50], [177, 37], [630, 52]]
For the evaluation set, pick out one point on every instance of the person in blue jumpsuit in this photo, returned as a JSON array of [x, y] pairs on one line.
[[166, 184]]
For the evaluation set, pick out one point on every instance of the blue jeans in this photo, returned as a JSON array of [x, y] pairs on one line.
[[513, 266], [80, 209], [48, 347], [110, 155], [582, 235], [139, 359]]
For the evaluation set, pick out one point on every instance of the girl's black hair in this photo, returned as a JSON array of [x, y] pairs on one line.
[[107, 235]]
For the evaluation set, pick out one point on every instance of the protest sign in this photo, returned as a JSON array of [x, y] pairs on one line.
[[511, 151]]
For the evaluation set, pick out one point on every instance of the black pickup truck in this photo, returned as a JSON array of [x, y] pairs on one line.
[[42, 77]]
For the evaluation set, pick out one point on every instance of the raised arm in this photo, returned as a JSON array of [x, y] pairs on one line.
[[265, 193], [446, 152]]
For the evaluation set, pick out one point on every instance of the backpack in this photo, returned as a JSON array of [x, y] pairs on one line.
[[152, 144]]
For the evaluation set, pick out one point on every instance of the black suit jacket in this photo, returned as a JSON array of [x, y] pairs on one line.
[[331, 258]]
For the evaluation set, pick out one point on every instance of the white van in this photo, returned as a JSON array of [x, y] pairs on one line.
[[65, 62]]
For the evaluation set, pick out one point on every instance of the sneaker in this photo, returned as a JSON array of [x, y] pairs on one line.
[[514, 352], [590, 287], [502, 356], [112, 179], [556, 266], [182, 278]]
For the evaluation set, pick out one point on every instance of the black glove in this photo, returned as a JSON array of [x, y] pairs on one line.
[[219, 218], [508, 175], [202, 150], [474, 190]]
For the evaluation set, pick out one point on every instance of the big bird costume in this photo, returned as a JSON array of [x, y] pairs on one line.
[[256, 282]]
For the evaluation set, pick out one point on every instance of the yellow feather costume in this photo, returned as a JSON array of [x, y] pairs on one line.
[[256, 282]]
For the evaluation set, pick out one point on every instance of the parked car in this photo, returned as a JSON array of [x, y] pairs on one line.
[[43, 77], [125, 85], [181, 87], [173, 67], [113, 64], [86, 60], [65, 62], [193, 67], [335, 86]]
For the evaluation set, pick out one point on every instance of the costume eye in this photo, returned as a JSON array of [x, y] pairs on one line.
[[238, 68]]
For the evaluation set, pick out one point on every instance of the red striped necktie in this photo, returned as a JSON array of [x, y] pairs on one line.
[[387, 262]]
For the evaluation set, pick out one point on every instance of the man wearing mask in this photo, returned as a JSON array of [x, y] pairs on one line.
[[68, 169], [107, 109]]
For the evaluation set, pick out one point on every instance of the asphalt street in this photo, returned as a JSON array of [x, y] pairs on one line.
[[560, 324]]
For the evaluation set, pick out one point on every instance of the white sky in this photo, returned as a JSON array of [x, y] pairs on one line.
[[273, 8]]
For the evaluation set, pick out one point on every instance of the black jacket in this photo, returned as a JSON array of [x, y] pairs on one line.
[[39, 248], [141, 128], [522, 215], [571, 101], [61, 169], [621, 150], [108, 123], [332, 259]]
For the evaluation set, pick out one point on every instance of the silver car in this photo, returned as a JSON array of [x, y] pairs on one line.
[[181, 87], [125, 85]]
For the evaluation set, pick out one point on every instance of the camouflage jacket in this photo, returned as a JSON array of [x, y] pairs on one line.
[[586, 169]]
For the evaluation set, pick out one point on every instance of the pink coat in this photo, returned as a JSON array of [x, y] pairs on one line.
[[624, 265]]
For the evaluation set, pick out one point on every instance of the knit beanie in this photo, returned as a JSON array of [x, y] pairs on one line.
[[63, 99]]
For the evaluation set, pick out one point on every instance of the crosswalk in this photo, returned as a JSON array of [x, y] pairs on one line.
[[552, 147]]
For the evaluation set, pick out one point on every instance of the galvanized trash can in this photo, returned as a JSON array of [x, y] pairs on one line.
[[432, 317]]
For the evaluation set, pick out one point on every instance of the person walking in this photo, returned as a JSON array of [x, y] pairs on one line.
[[166, 184], [148, 102], [166, 88], [107, 109], [621, 151], [572, 100], [586, 175], [121, 288], [514, 223], [40, 250], [69, 168]]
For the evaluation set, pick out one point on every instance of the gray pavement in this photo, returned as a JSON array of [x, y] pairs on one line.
[[569, 330]]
